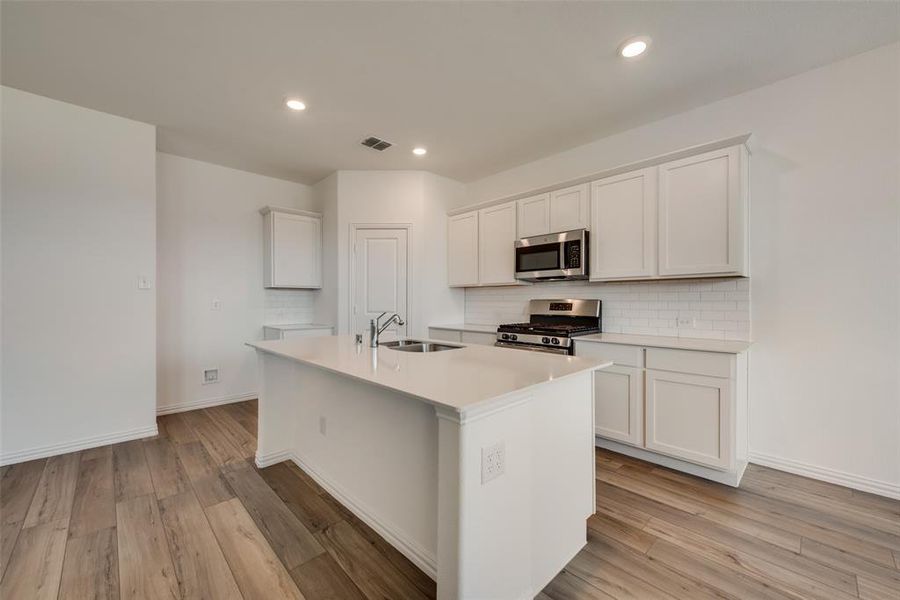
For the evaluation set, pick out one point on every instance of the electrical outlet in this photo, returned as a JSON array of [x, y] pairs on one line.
[[686, 322], [216, 304], [323, 425], [493, 462], [143, 283], [210, 376]]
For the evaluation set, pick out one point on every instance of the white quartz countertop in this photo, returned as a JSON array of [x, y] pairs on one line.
[[661, 341], [474, 328], [297, 326], [459, 379]]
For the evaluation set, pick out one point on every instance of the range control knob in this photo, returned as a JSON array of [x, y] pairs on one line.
[[513, 337], [504, 336], [545, 340], [555, 341]]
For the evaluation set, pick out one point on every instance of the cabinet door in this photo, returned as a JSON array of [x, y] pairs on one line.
[[570, 208], [462, 249], [296, 251], [619, 404], [623, 225], [689, 417], [702, 214], [534, 215], [473, 337], [496, 244]]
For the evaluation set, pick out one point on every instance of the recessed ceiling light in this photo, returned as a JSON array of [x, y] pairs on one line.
[[294, 104], [420, 151], [634, 47]]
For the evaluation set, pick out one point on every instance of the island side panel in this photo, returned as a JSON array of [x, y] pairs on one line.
[[514, 533], [375, 450], [276, 418]]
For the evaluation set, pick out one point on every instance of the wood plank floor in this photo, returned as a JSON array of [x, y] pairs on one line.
[[188, 515]]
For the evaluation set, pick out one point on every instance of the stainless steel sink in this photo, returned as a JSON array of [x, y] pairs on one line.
[[418, 346]]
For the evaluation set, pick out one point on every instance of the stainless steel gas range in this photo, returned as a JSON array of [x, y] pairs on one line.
[[551, 326]]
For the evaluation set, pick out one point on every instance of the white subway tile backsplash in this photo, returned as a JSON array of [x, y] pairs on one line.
[[718, 308], [289, 306]]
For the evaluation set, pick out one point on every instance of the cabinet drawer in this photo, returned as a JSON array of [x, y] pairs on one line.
[[445, 335], [486, 339], [713, 364], [295, 333], [629, 356]]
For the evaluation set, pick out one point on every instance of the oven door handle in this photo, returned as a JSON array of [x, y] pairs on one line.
[[545, 349]]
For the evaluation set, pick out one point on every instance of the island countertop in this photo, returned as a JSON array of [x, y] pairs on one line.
[[459, 379]]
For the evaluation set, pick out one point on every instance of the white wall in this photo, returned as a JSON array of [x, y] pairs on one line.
[[825, 256], [396, 197], [211, 248], [78, 230]]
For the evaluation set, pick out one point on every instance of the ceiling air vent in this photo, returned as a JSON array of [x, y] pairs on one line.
[[376, 143]]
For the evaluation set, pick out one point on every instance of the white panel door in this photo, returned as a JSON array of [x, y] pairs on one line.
[[623, 226], [619, 404], [533, 215], [496, 244], [690, 417], [570, 208], [462, 249], [296, 251], [701, 214], [379, 276]]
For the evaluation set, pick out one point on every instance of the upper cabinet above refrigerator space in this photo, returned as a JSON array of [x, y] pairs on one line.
[[292, 254]]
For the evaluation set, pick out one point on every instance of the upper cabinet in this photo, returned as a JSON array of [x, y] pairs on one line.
[[569, 209], [462, 250], [623, 226], [496, 242], [703, 214], [533, 215], [682, 217], [293, 248]]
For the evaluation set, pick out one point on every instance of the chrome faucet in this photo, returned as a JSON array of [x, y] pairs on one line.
[[375, 327]]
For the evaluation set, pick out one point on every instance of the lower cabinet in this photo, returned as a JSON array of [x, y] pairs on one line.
[[619, 404], [682, 404], [464, 337], [281, 333], [689, 416]]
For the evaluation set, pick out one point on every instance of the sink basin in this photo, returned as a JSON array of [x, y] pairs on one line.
[[418, 346]]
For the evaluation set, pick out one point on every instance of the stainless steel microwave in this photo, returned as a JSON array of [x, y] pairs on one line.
[[553, 257]]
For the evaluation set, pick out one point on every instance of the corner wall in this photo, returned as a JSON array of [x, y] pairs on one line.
[[78, 231], [824, 255]]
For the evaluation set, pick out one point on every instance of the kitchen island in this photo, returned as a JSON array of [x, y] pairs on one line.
[[475, 462]]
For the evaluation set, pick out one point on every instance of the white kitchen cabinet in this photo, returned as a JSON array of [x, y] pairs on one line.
[[570, 208], [703, 214], [533, 215], [496, 244], [293, 248], [462, 249], [623, 226], [619, 404], [690, 417]]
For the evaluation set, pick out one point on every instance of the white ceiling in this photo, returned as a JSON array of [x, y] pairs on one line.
[[484, 86]]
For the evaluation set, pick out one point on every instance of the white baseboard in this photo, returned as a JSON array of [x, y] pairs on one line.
[[204, 403], [857, 482], [272, 458], [73, 446], [410, 549]]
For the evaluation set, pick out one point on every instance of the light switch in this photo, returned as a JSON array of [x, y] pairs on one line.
[[216, 304], [143, 283]]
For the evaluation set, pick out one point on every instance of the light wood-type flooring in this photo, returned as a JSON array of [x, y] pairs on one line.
[[188, 515]]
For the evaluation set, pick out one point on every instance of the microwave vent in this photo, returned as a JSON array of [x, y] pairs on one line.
[[376, 143]]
